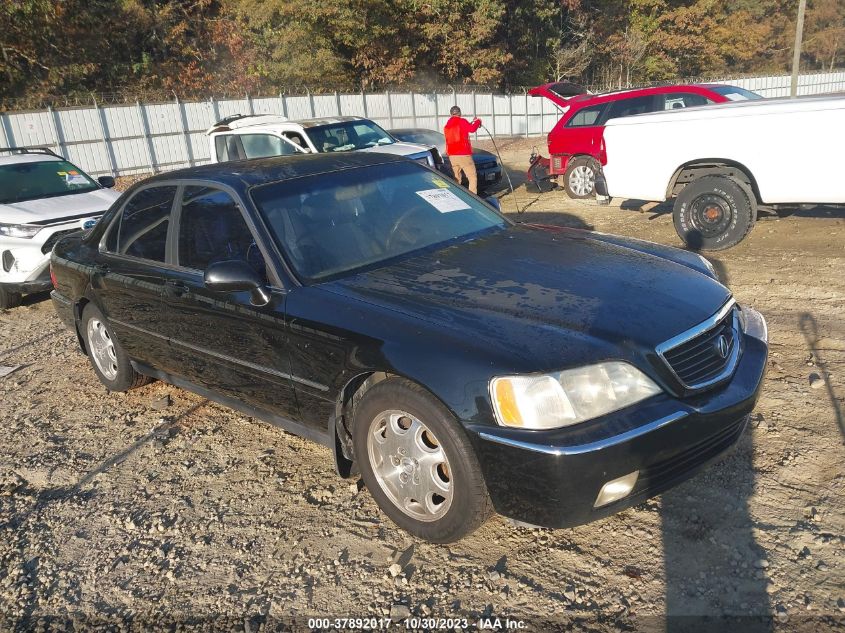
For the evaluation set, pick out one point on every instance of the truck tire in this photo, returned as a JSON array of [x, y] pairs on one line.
[[9, 299], [579, 180], [713, 213]]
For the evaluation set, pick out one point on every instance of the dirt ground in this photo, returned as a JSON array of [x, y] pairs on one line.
[[157, 508]]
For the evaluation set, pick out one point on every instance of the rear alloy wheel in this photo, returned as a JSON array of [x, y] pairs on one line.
[[9, 299], [110, 362], [580, 177], [418, 463], [714, 213]]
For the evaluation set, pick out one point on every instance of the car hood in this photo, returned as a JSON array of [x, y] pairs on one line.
[[482, 155], [540, 293], [54, 209], [399, 149]]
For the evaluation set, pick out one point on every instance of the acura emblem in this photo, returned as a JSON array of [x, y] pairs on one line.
[[722, 346]]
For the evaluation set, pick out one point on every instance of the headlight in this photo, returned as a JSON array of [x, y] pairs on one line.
[[25, 231], [550, 401]]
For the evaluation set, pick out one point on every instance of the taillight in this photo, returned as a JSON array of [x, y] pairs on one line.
[[53, 277]]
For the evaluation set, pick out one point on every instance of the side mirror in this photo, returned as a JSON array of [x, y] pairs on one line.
[[493, 201], [236, 276], [106, 181]]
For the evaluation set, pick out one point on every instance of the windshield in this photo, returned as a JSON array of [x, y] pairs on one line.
[[328, 226], [347, 136], [735, 94], [422, 137], [45, 179]]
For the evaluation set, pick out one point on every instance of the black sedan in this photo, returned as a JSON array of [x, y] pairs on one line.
[[461, 363], [487, 165]]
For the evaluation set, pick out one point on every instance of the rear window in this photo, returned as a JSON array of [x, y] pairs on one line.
[[142, 228], [586, 116], [45, 179], [733, 93]]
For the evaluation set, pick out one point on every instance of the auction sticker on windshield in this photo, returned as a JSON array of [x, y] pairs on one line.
[[443, 200]]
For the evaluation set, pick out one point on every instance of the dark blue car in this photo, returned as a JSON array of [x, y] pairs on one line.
[[487, 165], [459, 362]]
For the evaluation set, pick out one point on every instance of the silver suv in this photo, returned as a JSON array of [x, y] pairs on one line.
[[258, 136]]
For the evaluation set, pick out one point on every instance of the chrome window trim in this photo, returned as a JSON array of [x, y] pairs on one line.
[[698, 330]]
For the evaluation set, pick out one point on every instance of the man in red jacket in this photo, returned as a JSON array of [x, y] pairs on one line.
[[458, 147]]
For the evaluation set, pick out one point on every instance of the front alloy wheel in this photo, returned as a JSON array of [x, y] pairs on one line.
[[417, 462], [410, 465]]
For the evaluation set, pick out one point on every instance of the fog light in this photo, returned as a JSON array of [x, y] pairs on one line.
[[617, 489], [8, 260]]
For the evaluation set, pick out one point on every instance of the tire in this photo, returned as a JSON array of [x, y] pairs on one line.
[[408, 445], [110, 362], [714, 213], [579, 180], [9, 299]]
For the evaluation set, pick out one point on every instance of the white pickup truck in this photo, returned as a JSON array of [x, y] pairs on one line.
[[720, 162]]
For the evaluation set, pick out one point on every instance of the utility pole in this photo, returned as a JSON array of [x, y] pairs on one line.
[[796, 53]]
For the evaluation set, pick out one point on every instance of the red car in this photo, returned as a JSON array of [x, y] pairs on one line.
[[575, 143]]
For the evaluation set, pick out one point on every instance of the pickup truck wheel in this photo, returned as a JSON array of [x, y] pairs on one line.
[[580, 177], [110, 362], [9, 299], [417, 462], [714, 213]]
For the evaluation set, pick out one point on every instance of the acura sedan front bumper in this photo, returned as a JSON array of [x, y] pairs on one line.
[[565, 477]]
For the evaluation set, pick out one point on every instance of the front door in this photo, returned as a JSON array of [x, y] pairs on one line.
[[221, 341]]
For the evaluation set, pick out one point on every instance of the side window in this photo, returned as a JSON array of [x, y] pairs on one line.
[[228, 147], [586, 116], [212, 229], [264, 145], [293, 137], [141, 230], [629, 107], [677, 101]]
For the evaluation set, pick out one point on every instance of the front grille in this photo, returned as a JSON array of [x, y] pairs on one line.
[[486, 165], [55, 237], [707, 353]]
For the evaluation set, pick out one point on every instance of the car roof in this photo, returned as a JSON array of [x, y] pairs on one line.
[[269, 122], [16, 159], [650, 90], [247, 173]]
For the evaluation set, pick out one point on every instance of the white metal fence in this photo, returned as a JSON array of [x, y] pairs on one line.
[[138, 138]]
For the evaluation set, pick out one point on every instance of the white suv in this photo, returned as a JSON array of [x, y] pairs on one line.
[[42, 198], [258, 136]]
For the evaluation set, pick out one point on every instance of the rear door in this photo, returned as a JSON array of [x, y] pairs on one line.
[[221, 341], [582, 132], [130, 271], [633, 105]]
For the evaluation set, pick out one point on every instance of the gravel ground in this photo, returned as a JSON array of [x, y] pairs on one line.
[[157, 508]]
